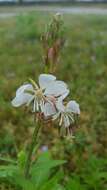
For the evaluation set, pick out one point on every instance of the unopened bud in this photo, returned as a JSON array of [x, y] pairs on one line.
[[58, 16]]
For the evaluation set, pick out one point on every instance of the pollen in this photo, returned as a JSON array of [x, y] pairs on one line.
[[39, 94]]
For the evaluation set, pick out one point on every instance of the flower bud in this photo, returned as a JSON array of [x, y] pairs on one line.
[[58, 16]]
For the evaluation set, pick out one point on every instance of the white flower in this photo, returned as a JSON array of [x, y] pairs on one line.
[[65, 113], [49, 109], [58, 16], [73, 107], [43, 96]]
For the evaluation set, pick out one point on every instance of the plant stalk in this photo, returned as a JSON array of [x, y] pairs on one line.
[[32, 145]]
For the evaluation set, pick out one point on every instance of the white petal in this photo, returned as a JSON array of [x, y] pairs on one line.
[[45, 80], [64, 95], [60, 106], [56, 88], [23, 88], [22, 97], [73, 106], [49, 109]]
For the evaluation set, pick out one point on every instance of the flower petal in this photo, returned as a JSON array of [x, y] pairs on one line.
[[64, 95], [22, 97], [49, 109], [73, 107], [56, 88], [45, 80], [60, 106], [23, 88]]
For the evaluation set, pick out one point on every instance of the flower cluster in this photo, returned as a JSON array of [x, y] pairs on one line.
[[48, 98]]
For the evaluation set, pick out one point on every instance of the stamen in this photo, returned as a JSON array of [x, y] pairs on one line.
[[61, 120]]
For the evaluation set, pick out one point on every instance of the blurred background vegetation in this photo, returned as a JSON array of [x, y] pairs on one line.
[[83, 66]]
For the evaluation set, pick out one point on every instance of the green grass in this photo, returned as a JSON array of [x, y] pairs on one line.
[[83, 66]]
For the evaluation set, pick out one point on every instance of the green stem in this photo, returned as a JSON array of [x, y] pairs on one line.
[[29, 157]]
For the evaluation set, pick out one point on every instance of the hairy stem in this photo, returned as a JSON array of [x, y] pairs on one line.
[[29, 157]]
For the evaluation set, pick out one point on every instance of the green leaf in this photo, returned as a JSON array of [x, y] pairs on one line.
[[74, 184], [21, 159], [7, 171], [41, 170], [52, 184]]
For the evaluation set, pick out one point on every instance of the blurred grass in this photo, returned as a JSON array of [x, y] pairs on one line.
[[83, 66], [32, 7]]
